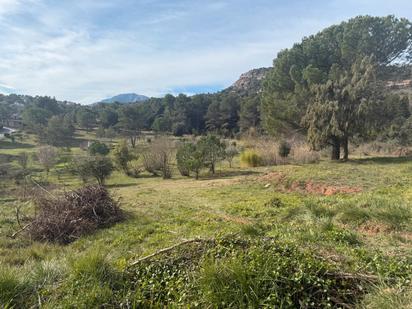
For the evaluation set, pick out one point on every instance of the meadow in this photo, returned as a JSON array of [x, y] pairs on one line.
[[328, 234]]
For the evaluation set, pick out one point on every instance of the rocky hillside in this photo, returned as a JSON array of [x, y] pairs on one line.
[[250, 82], [399, 79]]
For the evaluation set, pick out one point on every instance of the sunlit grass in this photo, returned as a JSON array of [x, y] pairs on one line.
[[237, 200]]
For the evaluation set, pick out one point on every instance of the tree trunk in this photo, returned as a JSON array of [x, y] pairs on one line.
[[345, 145], [335, 148], [212, 168], [133, 141]]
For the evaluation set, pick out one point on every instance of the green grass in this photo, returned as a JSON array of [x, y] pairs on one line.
[[369, 231]]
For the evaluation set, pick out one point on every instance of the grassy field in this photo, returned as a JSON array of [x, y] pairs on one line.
[[353, 218]]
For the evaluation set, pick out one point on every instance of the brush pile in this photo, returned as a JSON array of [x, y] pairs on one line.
[[65, 218]]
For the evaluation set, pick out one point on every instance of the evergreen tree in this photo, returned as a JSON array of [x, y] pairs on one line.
[[312, 79]]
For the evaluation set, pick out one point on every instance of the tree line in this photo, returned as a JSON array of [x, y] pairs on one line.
[[54, 122]]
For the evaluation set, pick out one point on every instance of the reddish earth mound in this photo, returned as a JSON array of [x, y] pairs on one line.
[[329, 190], [280, 180]]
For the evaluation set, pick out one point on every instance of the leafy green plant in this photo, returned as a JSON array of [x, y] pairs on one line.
[[98, 148], [189, 159], [122, 156], [213, 151]]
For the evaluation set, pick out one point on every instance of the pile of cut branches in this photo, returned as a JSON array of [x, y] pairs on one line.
[[67, 217]]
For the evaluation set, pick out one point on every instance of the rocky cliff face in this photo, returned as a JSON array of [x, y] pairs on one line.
[[249, 82]]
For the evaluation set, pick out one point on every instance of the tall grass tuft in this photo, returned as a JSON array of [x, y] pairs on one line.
[[251, 158], [15, 292]]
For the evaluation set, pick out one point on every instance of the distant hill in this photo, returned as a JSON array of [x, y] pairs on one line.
[[125, 98]]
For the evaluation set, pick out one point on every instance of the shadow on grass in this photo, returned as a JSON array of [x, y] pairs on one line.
[[15, 145], [228, 174], [382, 160], [121, 185]]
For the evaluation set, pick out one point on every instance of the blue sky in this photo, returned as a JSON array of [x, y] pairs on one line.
[[86, 50]]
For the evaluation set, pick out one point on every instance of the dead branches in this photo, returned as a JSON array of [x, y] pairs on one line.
[[65, 218]]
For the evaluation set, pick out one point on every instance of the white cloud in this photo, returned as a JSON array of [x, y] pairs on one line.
[[8, 6], [85, 51]]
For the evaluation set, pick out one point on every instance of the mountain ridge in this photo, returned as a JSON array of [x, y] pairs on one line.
[[125, 98]]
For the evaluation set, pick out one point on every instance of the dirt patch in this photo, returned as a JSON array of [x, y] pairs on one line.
[[280, 180], [273, 177], [371, 228], [239, 220], [323, 189]]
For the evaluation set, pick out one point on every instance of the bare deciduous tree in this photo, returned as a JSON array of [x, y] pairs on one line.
[[47, 157], [158, 158]]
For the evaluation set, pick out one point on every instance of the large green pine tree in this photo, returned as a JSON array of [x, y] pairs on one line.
[[317, 62]]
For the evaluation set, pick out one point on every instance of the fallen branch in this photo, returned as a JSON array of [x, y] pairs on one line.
[[165, 250], [42, 188], [19, 231]]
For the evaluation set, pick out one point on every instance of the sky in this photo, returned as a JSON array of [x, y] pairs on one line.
[[86, 50]]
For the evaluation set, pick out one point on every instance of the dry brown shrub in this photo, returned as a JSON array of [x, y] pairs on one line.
[[377, 148], [302, 154], [159, 156], [65, 218], [265, 148]]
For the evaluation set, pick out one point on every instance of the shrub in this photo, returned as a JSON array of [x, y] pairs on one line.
[[98, 148], [100, 168], [151, 164], [97, 167], [284, 149], [71, 215], [189, 159], [134, 170], [213, 151], [230, 153], [158, 158], [251, 158], [266, 149], [303, 155], [122, 157], [47, 157]]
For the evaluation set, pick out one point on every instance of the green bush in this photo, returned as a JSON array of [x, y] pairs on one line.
[[189, 159], [122, 157], [251, 158], [98, 167], [284, 149], [98, 148]]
